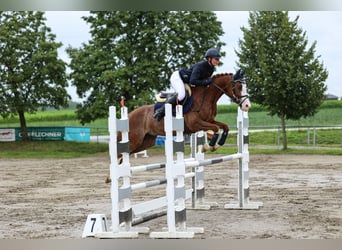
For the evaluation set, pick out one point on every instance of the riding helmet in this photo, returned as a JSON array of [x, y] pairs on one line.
[[212, 53]]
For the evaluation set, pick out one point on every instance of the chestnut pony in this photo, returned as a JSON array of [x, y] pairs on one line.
[[143, 128]]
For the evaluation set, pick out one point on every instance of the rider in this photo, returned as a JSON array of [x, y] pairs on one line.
[[199, 75]]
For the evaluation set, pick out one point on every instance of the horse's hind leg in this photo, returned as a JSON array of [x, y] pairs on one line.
[[147, 142]]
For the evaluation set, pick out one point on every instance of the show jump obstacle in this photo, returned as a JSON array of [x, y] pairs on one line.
[[124, 214]]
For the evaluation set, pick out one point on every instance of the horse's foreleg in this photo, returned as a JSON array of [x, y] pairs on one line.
[[204, 125], [222, 140], [214, 145], [224, 135], [213, 141], [215, 126]]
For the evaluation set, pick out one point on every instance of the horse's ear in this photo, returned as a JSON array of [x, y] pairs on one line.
[[240, 73], [239, 76]]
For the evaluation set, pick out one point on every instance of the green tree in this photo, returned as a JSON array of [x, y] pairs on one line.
[[282, 71], [133, 53], [31, 75]]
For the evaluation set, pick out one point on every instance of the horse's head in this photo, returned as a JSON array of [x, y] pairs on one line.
[[239, 90], [235, 87]]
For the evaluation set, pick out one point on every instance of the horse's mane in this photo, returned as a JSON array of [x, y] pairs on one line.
[[221, 75]]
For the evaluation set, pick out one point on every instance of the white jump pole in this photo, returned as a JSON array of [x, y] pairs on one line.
[[175, 175], [120, 174], [243, 169]]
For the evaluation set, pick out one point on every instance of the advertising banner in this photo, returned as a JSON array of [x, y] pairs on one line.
[[77, 134], [42, 133], [7, 134], [81, 134]]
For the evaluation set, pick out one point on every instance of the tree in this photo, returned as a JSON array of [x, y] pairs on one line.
[[133, 53], [283, 74], [31, 75]]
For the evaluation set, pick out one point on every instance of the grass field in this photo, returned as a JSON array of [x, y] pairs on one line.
[[328, 115]]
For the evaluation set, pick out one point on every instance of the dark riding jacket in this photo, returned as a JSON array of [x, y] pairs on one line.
[[199, 74]]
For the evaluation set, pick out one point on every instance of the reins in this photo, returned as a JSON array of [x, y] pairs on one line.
[[203, 96], [237, 100]]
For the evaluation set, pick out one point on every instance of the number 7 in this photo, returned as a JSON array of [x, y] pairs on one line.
[[92, 226]]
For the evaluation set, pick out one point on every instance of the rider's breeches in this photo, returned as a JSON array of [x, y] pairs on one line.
[[178, 85]]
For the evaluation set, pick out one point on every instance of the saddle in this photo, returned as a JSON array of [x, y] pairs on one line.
[[162, 97]]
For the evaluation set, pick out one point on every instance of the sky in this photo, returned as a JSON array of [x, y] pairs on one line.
[[324, 27]]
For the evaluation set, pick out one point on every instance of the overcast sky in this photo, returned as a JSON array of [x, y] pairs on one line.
[[325, 27]]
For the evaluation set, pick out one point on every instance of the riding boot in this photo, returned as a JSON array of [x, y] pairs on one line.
[[160, 113]]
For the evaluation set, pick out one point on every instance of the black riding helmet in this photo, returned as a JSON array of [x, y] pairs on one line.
[[212, 53]]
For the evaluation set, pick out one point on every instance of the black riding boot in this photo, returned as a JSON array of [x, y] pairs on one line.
[[160, 113]]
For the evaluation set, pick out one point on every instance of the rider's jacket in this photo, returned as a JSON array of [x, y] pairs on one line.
[[198, 74]]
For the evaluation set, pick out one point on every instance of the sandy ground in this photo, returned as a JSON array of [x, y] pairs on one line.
[[51, 198]]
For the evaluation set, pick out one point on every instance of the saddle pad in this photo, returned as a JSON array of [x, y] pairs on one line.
[[186, 106]]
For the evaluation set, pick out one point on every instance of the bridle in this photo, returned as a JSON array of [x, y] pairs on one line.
[[238, 100]]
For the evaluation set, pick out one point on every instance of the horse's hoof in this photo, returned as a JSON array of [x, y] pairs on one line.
[[205, 148], [108, 180]]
